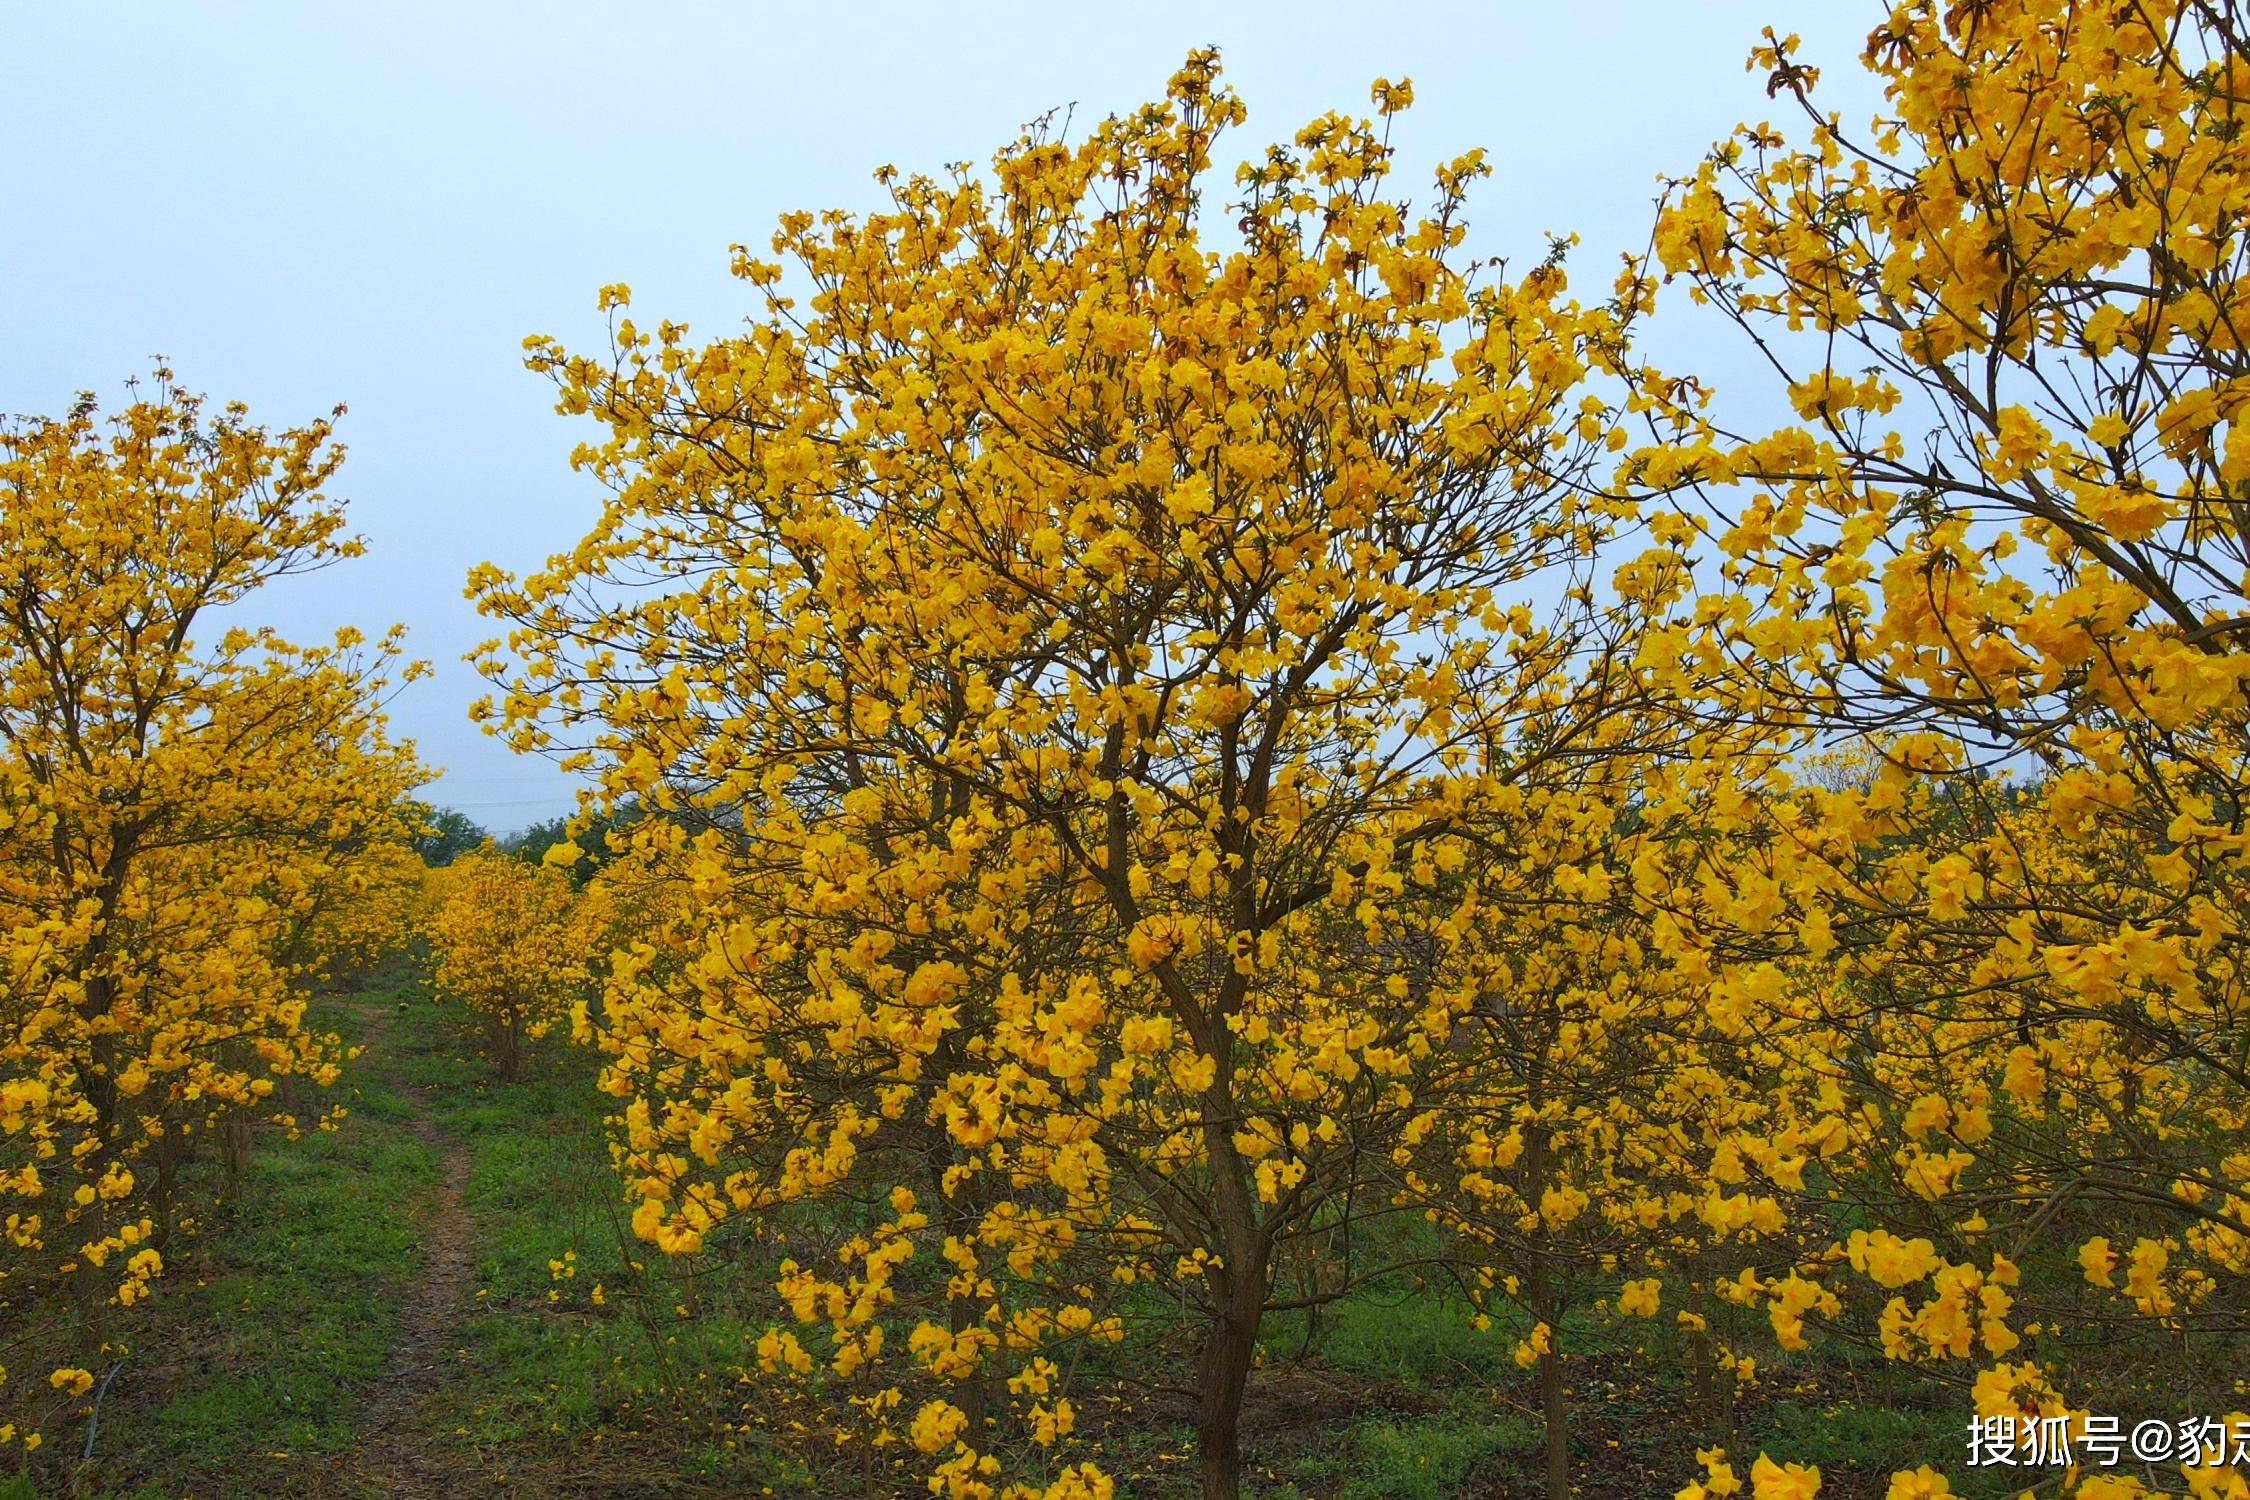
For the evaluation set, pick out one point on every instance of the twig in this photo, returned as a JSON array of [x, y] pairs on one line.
[[94, 1417]]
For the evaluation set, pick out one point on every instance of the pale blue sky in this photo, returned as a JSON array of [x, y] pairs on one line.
[[302, 204]]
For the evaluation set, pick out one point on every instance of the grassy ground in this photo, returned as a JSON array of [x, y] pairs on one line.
[[247, 1374], [267, 1365], [408, 1306]]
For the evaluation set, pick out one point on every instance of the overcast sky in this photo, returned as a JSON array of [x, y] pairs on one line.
[[302, 204]]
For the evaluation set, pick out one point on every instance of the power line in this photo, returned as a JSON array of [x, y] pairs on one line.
[[514, 802]]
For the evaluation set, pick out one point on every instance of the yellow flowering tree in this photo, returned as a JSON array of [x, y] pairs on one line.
[[370, 903], [1614, 1132], [1999, 558], [505, 943], [174, 816], [1073, 663]]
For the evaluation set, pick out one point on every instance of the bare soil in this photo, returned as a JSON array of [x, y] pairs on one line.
[[395, 1454]]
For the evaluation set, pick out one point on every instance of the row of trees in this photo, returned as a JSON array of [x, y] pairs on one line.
[[193, 835], [511, 942], [1193, 775], [1185, 763], [197, 821]]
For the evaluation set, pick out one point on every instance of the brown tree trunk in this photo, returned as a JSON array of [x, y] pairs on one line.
[[974, 1395], [1546, 1299], [1555, 1407], [1222, 1374], [1702, 1371], [1238, 1292], [170, 1154], [236, 1135]]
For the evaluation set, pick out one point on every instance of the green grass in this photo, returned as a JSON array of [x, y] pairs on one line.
[[249, 1363], [1858, 1445], [554, 1382], [1432, 1459], [1422, 1338], [250, 1371]]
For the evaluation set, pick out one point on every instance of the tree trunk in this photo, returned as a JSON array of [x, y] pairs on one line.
[[973, 1395], [236, 1135], [1221, 1376], [1702, 1373], [1547, 1297], [169, 1156], [1555, 1407]]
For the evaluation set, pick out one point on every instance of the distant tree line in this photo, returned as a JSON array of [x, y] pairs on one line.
[[452, 833]]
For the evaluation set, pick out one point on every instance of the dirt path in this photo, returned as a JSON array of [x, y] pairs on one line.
[[394, 1455]]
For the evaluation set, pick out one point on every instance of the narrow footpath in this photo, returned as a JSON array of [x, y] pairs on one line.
[[394, 1455]]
